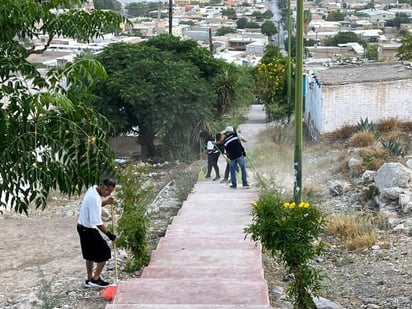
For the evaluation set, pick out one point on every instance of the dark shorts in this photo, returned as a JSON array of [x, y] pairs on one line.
[[94, 247]]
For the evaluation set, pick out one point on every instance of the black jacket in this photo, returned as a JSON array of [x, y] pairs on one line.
[[233, 146]]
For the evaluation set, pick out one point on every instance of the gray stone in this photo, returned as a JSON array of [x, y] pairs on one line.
[[391, 193], [323, 303], [368, 176], [335, 187], [405, 202], [393, 175]]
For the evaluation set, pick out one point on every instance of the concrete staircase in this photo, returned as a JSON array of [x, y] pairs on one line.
[[204, 260]]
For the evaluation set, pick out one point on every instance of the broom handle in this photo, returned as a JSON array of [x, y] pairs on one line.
[[114, 247]]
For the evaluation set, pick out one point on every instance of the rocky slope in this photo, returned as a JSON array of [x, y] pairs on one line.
[[41, 265]]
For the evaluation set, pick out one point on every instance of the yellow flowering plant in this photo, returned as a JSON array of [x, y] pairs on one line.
[[289, 230]]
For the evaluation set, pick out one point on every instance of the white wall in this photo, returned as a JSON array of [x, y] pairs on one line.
[[332, 106]]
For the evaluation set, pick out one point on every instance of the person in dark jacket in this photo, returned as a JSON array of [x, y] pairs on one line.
[[234, 151]]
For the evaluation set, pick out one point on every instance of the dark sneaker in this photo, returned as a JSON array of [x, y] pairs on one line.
[[87, 284], [207, 177], [224, 180], [247, 186], [216, 178], [98, 283], [232, 186]]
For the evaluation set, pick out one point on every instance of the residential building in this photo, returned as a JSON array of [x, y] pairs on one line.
[[373, 91]]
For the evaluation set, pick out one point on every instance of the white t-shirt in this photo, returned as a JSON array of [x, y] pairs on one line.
[[210, 145], [91, 210]]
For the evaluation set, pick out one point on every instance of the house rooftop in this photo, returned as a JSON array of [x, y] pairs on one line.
[[341, 75]]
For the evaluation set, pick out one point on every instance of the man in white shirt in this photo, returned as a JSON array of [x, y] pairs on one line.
[[94, 247]]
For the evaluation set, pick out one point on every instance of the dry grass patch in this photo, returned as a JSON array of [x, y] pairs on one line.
[[342, 163], [406, 126], [388, 125], [356, 231], [343, 133], [373, 157], [271, 155], [394, 135], [362, 139]]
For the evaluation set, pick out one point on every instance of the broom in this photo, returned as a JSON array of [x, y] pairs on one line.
[[109, 292]]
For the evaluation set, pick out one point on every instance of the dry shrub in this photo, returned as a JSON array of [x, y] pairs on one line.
[[373, 157], [342, 163], [284, 133], [343, 133], [406, 126], [388, 125], [362, 139], [354, 230], [394, 135], [270, 156]]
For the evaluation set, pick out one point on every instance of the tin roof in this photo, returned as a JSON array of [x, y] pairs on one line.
[[340, 75]]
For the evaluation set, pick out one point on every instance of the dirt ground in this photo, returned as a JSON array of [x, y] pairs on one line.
[[40, 257], [41, 264], [37, 251]]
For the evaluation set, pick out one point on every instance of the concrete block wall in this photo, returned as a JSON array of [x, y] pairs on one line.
[[330, 107]]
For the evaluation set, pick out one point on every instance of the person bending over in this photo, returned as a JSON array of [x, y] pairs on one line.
[[94, 248]]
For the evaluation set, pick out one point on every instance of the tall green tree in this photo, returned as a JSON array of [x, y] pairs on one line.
[[242, 23], [49, 137], [230, 13], [163, 96], [371, 52], [187, 50], [405, 50], [307, 18], [233, 88], [343, 37], [141, 9], [336, 16], [113, 5], [268, 14], [258, 15], [269, 29], [400, 18]]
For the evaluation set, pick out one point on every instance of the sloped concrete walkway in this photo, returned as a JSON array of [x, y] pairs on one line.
[[204, 260]]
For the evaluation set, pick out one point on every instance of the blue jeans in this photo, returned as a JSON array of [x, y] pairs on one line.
[[233, 163]]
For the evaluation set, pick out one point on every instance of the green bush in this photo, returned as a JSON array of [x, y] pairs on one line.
[[366, 125], [394, 148], [134, 192], [290, 229]]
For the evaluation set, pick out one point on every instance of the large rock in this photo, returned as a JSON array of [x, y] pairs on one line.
[[393, 175]]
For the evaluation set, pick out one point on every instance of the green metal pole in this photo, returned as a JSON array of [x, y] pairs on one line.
[[289, 69], [298, 102]]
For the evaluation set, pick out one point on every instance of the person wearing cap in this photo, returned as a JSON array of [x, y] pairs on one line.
[[89, 225], [235, 153]]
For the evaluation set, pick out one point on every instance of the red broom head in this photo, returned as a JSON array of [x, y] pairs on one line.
[[109, 292]]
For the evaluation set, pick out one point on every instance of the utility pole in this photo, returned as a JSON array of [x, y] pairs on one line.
[[289, 69], [297, 190], [170, 16], [210, 41]]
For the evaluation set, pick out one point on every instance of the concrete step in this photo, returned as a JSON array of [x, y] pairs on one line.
[[185, 242], [205, 229], [208, 257], [194, 219], [238, 273], [215, 210], [240, 195], [180, 306], [191, 292]]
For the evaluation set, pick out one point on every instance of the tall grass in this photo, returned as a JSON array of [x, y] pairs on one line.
[[356, 231]]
